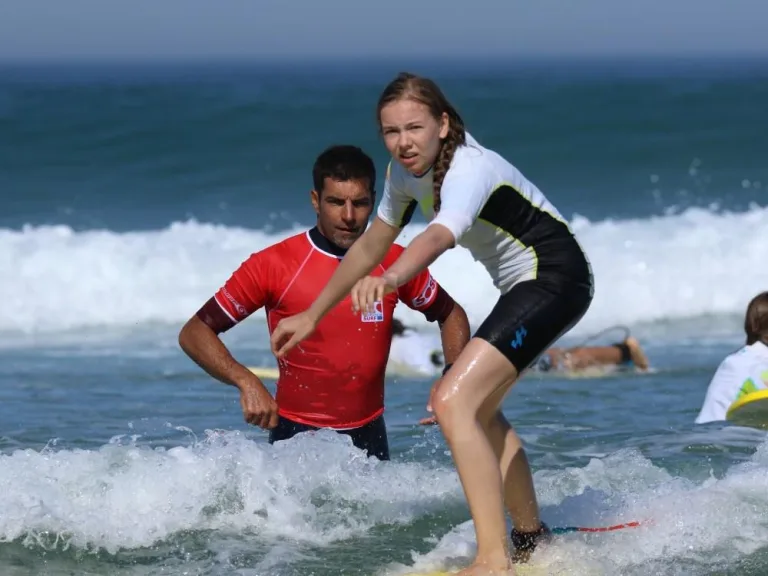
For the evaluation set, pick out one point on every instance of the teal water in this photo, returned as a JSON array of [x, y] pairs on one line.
[[130, 193]]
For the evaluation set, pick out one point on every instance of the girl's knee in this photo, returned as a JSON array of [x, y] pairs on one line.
[[449, 408], [455, 412], [442, 406]]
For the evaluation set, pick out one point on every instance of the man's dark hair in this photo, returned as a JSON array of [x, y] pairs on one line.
[[342, 163]]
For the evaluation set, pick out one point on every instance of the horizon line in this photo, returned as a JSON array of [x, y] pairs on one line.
[[494, 58]]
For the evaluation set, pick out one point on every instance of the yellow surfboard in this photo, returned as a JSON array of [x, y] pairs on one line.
[[396, 369], [264, 372], [750, 410], [393, 369], [520, 569]]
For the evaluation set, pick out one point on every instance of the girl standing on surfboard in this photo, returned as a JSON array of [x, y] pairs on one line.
[[475, 198]]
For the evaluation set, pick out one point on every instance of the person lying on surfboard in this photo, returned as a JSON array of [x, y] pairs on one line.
[[581, 358], [744, 371], [475, 198], [573, 359], [337, 379]]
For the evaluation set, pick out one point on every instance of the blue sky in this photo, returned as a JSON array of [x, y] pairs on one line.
[[284, 28]]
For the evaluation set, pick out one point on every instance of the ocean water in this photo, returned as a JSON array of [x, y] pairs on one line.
[[130, 192]]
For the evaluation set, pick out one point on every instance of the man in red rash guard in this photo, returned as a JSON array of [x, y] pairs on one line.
[[335, 379]]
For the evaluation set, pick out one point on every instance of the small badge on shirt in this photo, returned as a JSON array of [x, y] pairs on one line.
[[376, 315]]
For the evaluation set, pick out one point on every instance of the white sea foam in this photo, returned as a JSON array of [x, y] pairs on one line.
[[666, 268]]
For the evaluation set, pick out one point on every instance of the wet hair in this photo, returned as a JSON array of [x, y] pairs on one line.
[[425, 91], [756, 319], [342, 163]]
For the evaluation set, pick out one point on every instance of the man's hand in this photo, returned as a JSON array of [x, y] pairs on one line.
[[259, 408], [431, 420]]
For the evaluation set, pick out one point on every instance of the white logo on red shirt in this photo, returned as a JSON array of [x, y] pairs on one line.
[[238, 307], [427, 294], [377, 315]]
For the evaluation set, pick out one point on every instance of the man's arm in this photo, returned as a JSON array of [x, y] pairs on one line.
[[241, 296], [202, 344], [244, 292], [424, 294], [454, 333], [199, 341]]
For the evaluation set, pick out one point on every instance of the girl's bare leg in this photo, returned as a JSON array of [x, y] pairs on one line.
[[477, 381]]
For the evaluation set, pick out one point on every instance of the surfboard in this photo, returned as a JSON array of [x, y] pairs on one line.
[[403, 370], [521, 569], [750, 410], [542, 569], [591, 372], [265, 372], [393, 369]]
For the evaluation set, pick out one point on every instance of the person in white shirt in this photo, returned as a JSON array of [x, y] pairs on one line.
[[475, 198], [744, 371]]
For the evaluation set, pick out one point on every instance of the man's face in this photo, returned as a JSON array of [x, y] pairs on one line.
[[343, 210]]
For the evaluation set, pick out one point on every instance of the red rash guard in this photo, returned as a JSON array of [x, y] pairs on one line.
[[335, 377]]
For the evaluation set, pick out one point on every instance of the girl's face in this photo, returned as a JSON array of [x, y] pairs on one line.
[[412, 134]]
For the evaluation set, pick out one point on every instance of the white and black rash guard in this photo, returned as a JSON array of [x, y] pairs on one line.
[[491, 209]]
